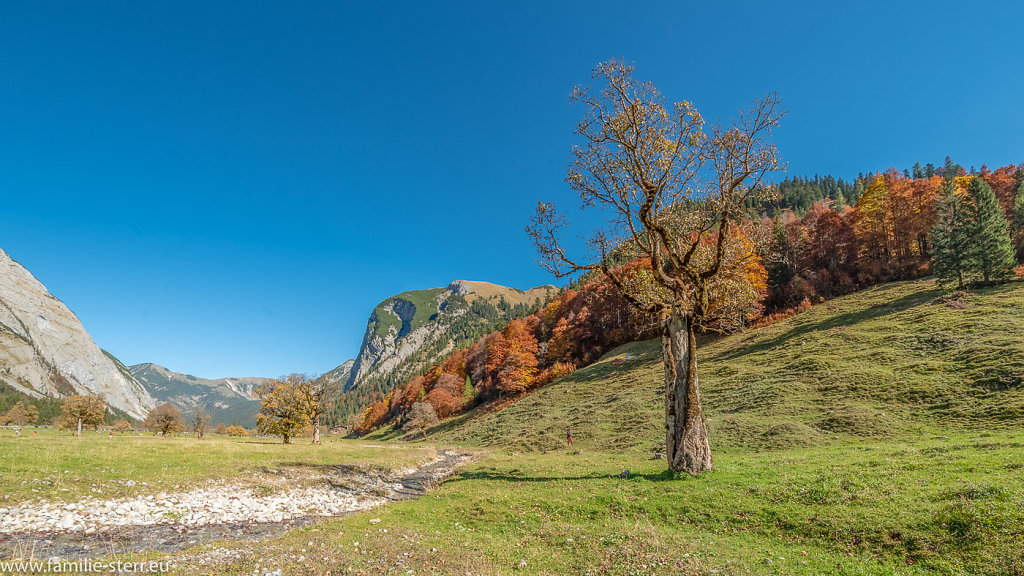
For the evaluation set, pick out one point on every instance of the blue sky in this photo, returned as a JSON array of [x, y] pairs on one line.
[[227, 189]]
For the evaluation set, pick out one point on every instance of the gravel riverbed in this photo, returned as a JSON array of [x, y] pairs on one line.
[[267, 505]]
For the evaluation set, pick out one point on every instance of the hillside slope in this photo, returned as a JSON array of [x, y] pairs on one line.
[[45, 350], [228, 400], [899, 359]]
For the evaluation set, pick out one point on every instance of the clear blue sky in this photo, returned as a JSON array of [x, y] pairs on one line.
[[227, 189]]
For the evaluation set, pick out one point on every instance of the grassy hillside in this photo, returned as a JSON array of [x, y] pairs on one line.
[[895, 361]]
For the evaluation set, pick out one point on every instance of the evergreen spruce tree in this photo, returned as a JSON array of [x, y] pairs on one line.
[[991, 250], [840, 200], [950, 235], [1018, 219], [779, 270]]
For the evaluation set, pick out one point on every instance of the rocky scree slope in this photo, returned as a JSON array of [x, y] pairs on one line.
[[45, 350]]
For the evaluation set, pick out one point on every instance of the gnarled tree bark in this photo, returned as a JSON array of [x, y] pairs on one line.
[[686, 434]]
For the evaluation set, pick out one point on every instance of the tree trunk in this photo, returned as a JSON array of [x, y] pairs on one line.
[[686, 435], [79, 427], [286, 439], [316, 431]]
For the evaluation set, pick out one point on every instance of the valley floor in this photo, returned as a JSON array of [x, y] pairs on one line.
[[880, 433]]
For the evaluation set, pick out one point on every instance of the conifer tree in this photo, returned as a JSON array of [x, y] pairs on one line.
[[840, 200], [950, 235], [918, 171], [1018, 219], [991, 251]]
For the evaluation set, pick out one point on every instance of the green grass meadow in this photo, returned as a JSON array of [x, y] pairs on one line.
[[60, 466]]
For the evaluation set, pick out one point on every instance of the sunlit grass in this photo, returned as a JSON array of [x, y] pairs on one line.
[[57, 465]]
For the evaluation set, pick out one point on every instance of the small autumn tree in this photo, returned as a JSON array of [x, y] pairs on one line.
[[421, 417], [164, 420], [284, 409], [122, 426], [198, 420], [375, 415], [447, 395], [21, 414], [676, 190], [236, 430], [221, 429], [80, 412]]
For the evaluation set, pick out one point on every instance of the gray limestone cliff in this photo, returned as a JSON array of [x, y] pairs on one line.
[[45, 350]]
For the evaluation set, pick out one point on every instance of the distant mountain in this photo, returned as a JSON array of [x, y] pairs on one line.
[[340, 374], [228, 400], [45, 350], [408, 332]]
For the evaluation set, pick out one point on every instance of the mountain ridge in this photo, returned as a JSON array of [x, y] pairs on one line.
[[228, 400]]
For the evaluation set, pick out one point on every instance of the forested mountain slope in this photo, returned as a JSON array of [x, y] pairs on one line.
[[408, 332]]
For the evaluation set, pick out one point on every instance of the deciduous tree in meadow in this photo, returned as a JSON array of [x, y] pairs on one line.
[[80, 412], [164, 420], [317, 395], [21, 414], [122, 426], [676, 191], [199, 419], [421, 417], [284, 409]]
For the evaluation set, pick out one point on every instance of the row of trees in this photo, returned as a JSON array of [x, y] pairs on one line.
[[83, 412], [960, 227]]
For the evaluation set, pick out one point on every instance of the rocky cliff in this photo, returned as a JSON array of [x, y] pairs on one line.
[[407, 332], [45, 350], [228, 400]]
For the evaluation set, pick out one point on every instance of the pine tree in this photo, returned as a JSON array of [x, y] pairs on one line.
[[1018, 219], [991, 250], [950, 238]]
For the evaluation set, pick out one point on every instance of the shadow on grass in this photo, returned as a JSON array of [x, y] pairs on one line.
[[517, 478]]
